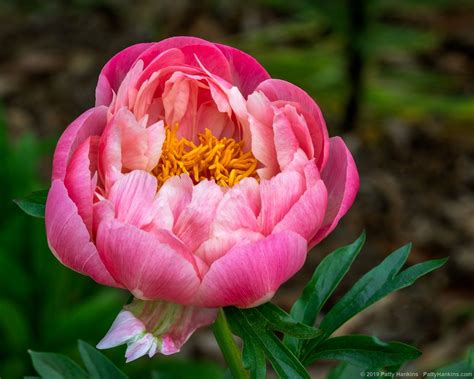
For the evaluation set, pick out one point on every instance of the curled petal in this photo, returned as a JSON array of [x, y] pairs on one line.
[[342, 182], [90, 123], [247, 73], [280, 90], [250, 274], [148, 327], [69, 239]]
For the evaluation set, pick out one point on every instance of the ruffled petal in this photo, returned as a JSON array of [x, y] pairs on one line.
[[247, 73], [148, 327], [115, 71], [90, 123], [69, 239], [250, 274], [280, 90], [342, 182]]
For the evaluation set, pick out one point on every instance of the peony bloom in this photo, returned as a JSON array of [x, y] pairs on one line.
[[196, 180]]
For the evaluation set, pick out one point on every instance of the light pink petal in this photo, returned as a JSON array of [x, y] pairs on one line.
[[69, 238], [193, 224], [342, 182], [218, 246], [132, 198], [249, 275], [306, 215], [261, 115], [90, 123], [277, 197], [238, 209], [148, 327], [286, 143], [175, 194], [110, 154], [247, 73], [218, 123], [78, 180], [276, 90], [125, 327], [144, 265], [115, 71]]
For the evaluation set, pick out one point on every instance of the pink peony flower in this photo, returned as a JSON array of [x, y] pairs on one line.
[[196, 180]]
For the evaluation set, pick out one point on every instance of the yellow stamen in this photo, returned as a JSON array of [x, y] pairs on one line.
[[220, 159]]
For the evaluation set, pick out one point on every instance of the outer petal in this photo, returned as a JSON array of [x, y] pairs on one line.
[[79, 182], [69, 239], [115, 71], [148, 327], [90, 123], [342, 182], [276, 90], [247, 73], [144, 265], [249, 275]]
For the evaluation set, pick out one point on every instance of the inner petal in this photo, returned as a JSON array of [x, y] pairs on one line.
[[223, 160]]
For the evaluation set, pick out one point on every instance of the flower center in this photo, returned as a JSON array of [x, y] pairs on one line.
[[220, 159]]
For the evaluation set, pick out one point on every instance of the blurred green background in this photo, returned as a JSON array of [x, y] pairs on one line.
[[395, 78]]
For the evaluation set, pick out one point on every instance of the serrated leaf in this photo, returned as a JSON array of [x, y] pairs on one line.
[[324, 281], [363, 351], [281, 321], [33, 204], [253, 327], [98, 365], [56, 366]]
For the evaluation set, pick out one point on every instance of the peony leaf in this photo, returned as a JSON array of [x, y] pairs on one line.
[[56, 366], [374, 285], [254, 329], [34, 203], [281, 321], [363, 351], [324, 281], [98, 365]]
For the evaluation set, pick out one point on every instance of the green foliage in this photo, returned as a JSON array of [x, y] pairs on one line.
[[33, 204], [305, 344]]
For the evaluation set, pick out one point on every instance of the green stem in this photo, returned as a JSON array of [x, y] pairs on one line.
[[229, 348]]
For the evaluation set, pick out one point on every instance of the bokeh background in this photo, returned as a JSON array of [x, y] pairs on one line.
[[394, 77]]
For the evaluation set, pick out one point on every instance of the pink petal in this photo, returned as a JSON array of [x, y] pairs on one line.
[[261, 113], [78, 180], [69, 239], [114, 72], [278, 196], [193, 224], [148, 268], [249, 275], [90, 123], [276, 90], [247, 73], [342, 182], [306, 215], [132, 198], [148, 327]]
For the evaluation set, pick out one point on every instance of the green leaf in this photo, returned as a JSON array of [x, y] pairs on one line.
[[346, 371], [33, 204], [98, 365], [251, 326], [324, 281], [374, 285], [281, 321], [56, 366], [253, 359], [363, 351]]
